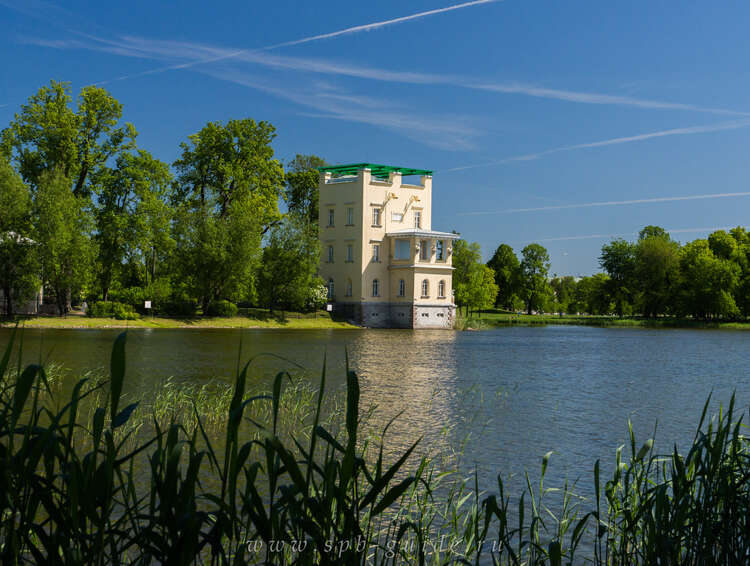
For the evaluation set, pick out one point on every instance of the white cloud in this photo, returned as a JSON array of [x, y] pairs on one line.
[[196, 54]]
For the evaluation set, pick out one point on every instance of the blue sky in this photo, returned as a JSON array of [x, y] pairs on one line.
[[531, 114]]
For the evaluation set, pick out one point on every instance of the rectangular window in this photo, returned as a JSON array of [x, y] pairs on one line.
[[376, 217], [440, 250], [330, 216], [424, 251], [401, 287], [350, 217], [376, 253], [330, 254], [418, 219], [397, 216], [402, 249], [349, 253]]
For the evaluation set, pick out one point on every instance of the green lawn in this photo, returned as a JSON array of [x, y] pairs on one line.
[[254, 319]]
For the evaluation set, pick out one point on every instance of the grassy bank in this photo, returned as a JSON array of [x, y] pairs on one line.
[[494, 318], [73, 490], [255, 319]]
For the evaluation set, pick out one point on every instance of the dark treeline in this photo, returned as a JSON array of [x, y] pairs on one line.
[[89, 215], [653, 276]]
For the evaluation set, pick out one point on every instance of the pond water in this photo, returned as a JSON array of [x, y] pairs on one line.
[[507, 396]]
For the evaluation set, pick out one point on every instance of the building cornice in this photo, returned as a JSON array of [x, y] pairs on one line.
[[434, 266]]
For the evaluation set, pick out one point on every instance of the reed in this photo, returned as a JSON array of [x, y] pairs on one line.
[[292, 480]]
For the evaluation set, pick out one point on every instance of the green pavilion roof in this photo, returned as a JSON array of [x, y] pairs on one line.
[[377, 170]]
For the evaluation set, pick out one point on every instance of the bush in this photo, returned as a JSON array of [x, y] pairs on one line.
[[179, 307], [221, 308], [133, 296], [112, 309], [124, 312], [101, 309], [317, 295]]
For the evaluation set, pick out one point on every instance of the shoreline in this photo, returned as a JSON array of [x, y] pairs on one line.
[[501, 320], [79, 322]]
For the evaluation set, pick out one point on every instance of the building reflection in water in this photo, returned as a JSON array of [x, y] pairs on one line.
[[412, 373]]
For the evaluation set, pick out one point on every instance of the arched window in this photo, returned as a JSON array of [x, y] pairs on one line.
[[348, 287], [425, 288], [330, 289], [441, 289], [375, 287], [401, 287]]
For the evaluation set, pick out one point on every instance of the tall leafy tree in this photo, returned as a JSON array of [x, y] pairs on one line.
[[592, 295], [482, 289], [132, 217], [19, 276], [466, 259], [742, 259], [291, 256], [48, 135], [507, 270], [302, 180], [707, 281], [534, 272], [564, 290], [227, 195], [657, 270], [722, 245], [618, 260], [63, 225], [49, 138]]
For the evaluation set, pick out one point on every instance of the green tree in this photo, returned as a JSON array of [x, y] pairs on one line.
[[466, 259], [483, 289], [302, 180], [49, 138], [534, 269], [226, 164], [19, 276], [653, 232], [62, 228], [618, 260], [132, 217], [722, 245], [227, 194], [507, 270], [742, 259], [592, 295], [564, 291], [656, 270], [48, 135], [286, 277], [707, 281]]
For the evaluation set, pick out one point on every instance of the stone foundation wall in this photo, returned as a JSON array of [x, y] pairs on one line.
[[434, 316], [397, 315]]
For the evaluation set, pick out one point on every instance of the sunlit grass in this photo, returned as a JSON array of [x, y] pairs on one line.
[[291, 321]]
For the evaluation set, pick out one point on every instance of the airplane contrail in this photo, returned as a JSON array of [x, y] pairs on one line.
[[605, 203], [719, 127], [346, 31], [376, 25]]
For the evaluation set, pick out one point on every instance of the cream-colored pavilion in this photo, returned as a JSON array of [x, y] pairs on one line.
[[382, 262]]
